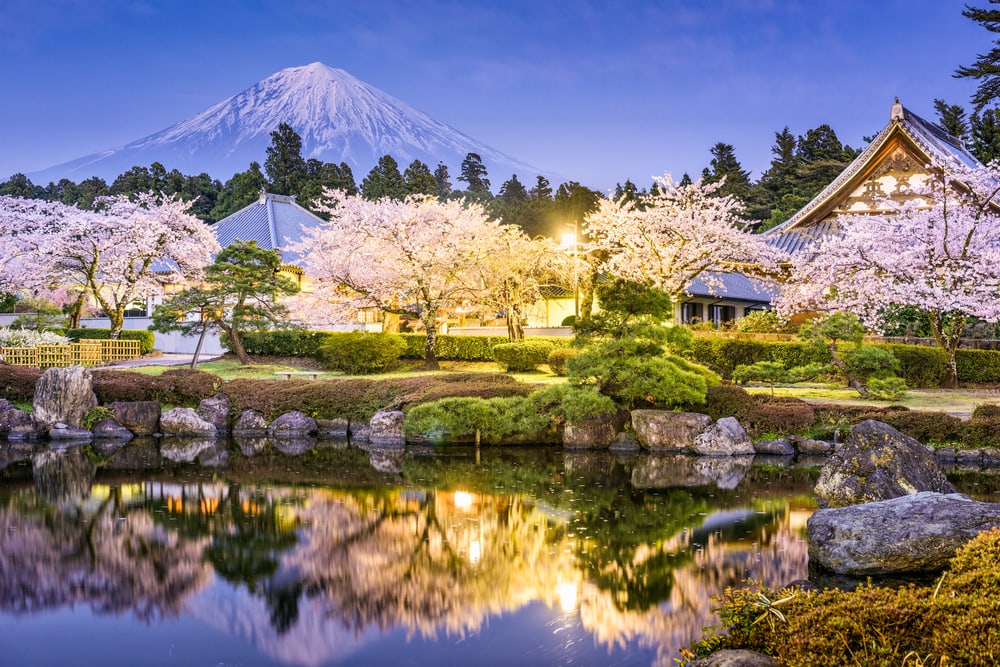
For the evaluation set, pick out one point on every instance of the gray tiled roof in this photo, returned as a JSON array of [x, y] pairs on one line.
[[795, 240], [735, 286], [274, 221], [932, 139]]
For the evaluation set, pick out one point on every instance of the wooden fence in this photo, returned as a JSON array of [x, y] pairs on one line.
[[84, 353]]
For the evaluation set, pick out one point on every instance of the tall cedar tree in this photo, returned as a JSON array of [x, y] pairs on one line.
[[242, 290], [284, 165], [384, 180], [474, 175], [986, 68], [419, 180]]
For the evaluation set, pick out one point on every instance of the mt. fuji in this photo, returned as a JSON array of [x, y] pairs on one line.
[[339, 117]]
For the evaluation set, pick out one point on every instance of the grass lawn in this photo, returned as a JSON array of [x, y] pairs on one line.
[[229, 368], [958, 402]]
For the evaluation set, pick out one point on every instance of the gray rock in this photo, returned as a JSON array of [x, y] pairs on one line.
[[945, 454], [16, 424], [991, 456], [359, 431], [910, 534], [877, 462], [969, 457], [778, 447], [387, 429], [68, 434], [625, 442], [597, 432], [185, 422], [110, 429], [64, 395], [665, 430], [664, 471], [810, 446], [725, 437], [250, 422], [215, 410], [333, 428], [736, 658], [140, 417], [292, 424]]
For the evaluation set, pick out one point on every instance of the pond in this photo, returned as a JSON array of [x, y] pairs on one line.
[[261, 553]]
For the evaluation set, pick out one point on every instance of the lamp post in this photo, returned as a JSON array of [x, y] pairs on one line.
[[569, 240]]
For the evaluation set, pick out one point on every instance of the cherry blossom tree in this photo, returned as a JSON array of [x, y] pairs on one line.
[[938, 252], [676, 234], [414, 258], [124, 250]]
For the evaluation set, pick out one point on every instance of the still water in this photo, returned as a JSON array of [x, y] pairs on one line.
[[254, 553]]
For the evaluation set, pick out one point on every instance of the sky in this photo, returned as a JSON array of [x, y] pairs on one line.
[[598, 92]]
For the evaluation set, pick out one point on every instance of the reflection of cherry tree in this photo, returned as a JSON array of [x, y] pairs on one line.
[[112, 565]]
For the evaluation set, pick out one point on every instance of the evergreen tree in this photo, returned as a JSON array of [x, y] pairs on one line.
[[474, 174], [241, 190], [325, 175], [952, 118], [684, 182], [986, 68], [285, 167], [629, 191], [384, 180], [513, 190], [443, 179], [89, 190], [542, 190], [20, 185], [725, 165], [419, 180], [985, 133]]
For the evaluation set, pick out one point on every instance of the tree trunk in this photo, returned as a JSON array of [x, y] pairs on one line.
[[515, 332], [238, 349], [430, 357], [74, 312], [949, 341], [852, 381], [390, 323], [117, 320]]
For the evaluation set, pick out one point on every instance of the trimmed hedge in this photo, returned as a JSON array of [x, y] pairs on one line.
[[523, 356], [558, 359], [146, 338], [306, 343], [358, 353], [919, 366], [17, 383], [177, 387]]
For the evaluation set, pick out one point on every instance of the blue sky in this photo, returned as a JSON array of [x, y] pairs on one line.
[[595, 91]]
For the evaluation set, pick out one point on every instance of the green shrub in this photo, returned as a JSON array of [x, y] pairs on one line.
[[526, 355], [282, 342], [780, 414], [978, 365], [762, 321], [568, 321], [886, 389], [919, 365], [177, 386], [727, 400], [928, 427], [496, 420], [359, 353], [146, 338], [558, 358], [17, 383]]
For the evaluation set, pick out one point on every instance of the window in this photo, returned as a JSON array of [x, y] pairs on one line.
[[692, 313]]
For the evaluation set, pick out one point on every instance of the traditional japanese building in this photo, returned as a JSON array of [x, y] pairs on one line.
[[893, 166]]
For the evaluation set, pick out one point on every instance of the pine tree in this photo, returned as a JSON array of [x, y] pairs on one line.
[[443, 179], [952, 118], [284, 165], [419, 180], [985, 134], [474, 174], [542, 190], [241, 190], [986, 68], [513, 190], [384, 180], [725, 165]]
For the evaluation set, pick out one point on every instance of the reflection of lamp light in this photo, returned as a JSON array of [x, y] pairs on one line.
[[475, 551], [567, 596], [463, 500]]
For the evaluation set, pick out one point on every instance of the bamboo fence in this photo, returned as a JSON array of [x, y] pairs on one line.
[[84, 353]]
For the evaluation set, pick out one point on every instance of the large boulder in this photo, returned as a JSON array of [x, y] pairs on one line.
[[666, 471], [15, 423], [387, 429], [215, 409], [292, 425], [596, 432], [64, 395], [776, 447], [736, 658], [910, 534], [185, 421], [110, 429], [665, 430], [877, 462], [725, 437], [250, 422], [140, 417]]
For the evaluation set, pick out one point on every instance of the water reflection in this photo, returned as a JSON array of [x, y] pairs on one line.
[[312, 572]]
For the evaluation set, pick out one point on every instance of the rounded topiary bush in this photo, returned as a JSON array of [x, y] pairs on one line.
[[558, 358], [359, 353], [526, 355]]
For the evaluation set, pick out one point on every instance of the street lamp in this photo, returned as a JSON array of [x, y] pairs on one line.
[[569, 241]]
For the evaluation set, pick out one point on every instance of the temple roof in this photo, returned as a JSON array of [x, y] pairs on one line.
[[273, 221], [925, 141]]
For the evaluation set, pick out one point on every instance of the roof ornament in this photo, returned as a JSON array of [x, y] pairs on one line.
[[897, 111]]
